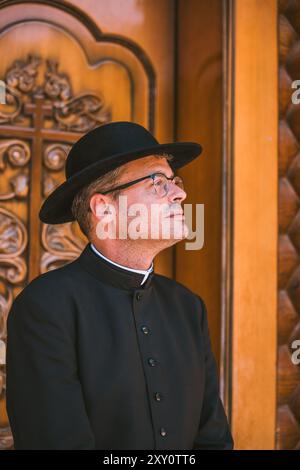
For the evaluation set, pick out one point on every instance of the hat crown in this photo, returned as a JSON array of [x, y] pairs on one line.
[[104, 141], [102, 149]]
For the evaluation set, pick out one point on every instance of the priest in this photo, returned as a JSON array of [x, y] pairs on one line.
[[103, 352]]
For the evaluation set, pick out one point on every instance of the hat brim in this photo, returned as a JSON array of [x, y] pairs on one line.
[[56, 209]]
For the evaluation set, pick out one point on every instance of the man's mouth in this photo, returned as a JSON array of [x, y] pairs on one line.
[[177, 214]]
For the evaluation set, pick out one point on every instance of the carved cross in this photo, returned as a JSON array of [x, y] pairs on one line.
[[39, 109]]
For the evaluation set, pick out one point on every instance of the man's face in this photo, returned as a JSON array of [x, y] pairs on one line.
[[141, 212]]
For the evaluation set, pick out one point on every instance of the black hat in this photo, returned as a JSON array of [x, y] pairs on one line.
[[101, 150]]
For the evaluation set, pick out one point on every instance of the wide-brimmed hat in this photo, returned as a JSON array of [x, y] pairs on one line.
[[101, 150]]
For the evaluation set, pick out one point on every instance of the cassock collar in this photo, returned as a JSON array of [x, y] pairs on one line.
[[145, 272], [111, 274]]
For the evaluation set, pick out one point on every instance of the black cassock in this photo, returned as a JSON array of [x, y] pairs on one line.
[[95, 360]]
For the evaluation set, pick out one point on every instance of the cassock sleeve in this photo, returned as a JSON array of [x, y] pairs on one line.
[[213, 431], [44, 398]]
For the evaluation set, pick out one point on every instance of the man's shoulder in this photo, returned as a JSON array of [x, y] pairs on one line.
[[46, 298], [51, 285], [175, 287]]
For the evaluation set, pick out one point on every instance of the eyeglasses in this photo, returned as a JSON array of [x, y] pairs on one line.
[[161, 183]]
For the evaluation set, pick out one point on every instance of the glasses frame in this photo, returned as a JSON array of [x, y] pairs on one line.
[[152, 175]]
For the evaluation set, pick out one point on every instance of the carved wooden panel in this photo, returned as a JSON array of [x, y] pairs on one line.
[[288, 379], [63, 77]]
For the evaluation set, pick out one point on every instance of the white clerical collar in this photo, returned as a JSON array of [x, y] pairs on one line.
[[146, 272]]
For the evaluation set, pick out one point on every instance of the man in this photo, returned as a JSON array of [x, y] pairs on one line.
[[103, 353]]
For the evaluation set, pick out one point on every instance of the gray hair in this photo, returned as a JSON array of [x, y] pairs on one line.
[[81, 203]]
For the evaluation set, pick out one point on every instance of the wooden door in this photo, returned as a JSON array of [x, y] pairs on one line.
[[68, 67]]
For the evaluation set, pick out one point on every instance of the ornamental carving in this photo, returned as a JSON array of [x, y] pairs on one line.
[[40, 121], [79, 113]]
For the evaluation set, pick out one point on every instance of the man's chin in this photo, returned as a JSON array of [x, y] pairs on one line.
[[177, 232], [170, 233]]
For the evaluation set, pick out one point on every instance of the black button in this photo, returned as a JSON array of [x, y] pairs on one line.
[[163, 432], [138, 296], [158, 396], [145, 330], [152, 361]]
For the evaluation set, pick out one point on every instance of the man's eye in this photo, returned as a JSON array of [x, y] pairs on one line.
[[179, 182], [159, 181]]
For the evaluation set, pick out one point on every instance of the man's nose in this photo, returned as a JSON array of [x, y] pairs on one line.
[[176, 194]]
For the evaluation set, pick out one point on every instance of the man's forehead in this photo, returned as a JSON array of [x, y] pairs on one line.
[[149, 163]]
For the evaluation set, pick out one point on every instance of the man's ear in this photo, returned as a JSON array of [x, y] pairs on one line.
[[98, 204]]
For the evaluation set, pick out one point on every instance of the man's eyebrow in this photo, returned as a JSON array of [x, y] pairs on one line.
[[162, 171]]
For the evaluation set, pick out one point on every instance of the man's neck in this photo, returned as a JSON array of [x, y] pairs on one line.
[[126, 257]]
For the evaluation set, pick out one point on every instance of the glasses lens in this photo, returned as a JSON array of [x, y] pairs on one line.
[[179, 182], [161, 185]]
